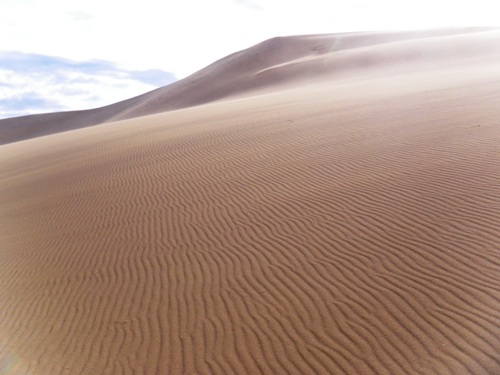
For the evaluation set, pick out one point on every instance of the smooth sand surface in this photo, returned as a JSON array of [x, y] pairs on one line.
[[348, 223], [278, 62]]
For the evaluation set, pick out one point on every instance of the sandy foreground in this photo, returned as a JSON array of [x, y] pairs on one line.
[[348, 223]]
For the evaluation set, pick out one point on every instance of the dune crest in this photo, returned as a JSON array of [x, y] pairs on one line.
[[274, 63]]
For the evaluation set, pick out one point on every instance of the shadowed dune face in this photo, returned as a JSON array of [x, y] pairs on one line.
[[338, 227]]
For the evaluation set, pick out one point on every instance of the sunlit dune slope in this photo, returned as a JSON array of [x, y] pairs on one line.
[[337, 226], [274, 63]]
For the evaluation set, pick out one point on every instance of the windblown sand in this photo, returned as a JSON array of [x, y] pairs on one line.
[[341, 226]]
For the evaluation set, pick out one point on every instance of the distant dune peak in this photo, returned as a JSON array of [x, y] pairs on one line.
[[271, 65]]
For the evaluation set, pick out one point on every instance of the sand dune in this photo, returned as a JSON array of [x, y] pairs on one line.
[[278, 62], [337, 226]]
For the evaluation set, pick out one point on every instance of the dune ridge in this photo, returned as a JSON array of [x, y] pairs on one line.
[[344, 226], [265, 66]]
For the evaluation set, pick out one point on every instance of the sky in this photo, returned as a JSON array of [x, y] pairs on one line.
[[58, 55]]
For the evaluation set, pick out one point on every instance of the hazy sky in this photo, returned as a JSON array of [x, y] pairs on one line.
[[61, 54]]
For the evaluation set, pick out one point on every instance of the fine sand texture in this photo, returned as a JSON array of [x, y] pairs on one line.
[[341, 222]]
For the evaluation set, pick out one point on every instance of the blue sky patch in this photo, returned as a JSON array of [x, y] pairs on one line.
[[35, 83]]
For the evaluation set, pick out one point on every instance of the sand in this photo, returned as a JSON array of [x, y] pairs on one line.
[[345, 221], [278, 63]]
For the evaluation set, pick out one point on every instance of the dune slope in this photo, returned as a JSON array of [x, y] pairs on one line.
[[267, 65], [338, 227]]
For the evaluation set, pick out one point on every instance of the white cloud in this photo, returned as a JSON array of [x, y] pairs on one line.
[[32, 83]]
